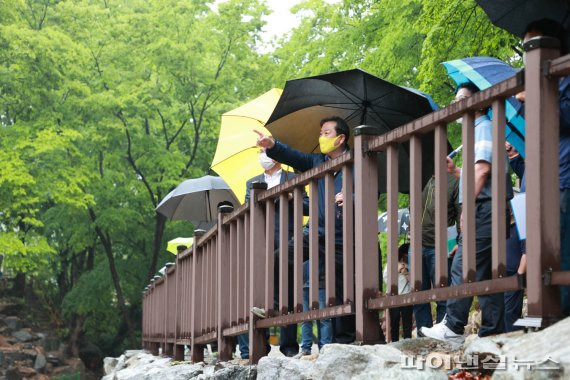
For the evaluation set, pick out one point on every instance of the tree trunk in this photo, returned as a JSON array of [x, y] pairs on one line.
[[19, 285], [120, 298], [75, 336], [158, 234]]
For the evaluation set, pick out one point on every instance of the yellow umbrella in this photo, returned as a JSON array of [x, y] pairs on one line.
[[236, 158], [174, 243]]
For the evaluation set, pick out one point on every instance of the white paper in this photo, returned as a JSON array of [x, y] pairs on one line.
[[518, 205]]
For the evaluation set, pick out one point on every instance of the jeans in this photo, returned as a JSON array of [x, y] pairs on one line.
[[343, 327], [405, 312], [324, 326], [422, 312], [493, 305], [565, 246]]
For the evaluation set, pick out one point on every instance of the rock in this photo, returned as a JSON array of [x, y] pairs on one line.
[[12, 354], [344, 361], [109, 365], [50, 343], [13, 374], [13, 323], [23, 336], [54, 359], [398, 373], [546, 348], [40, 362], [186, 371], [120, 363], [26, 371], [482, 347], [272, 368], [237, 373], [131, 353], [1, 359], [422, 346]]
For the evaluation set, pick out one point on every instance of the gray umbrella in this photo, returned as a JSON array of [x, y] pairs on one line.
[[197, 200], [403, 221]]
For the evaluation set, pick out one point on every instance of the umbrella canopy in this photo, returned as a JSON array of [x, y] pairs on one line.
[[485, 72], [359, 98], [236, 157], [355, 95], [196, 200], [172, 245], [515, 15], [403, 221]]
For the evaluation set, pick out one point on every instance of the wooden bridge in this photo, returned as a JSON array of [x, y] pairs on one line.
[[206, 297]]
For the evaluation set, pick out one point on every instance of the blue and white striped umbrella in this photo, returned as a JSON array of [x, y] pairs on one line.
[[485, 72]]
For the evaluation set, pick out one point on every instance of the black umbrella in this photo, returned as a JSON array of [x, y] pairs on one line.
[[361, 99], [515, 15], [355, 95]]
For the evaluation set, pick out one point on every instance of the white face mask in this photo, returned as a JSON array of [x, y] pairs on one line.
[[265, 162]]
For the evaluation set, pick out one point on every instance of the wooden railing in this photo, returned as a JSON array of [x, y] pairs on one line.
[[206, 297]]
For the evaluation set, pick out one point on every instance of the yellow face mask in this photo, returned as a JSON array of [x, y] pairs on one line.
[[327, 144]]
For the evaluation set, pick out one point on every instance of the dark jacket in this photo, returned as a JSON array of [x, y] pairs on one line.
[[285, 176], [428, 208], [302, 162]]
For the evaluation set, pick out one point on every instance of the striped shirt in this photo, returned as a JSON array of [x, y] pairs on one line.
[[484, 152]]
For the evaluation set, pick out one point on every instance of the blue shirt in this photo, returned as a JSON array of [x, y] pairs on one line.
[[484, 152], [302, 162]]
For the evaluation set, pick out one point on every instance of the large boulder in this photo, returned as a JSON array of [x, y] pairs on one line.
[[344, 361], [109, 365], [248, 372], [527, 356], [272, 368]]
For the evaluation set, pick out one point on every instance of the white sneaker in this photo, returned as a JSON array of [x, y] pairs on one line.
[[441, 332], [258, 312]]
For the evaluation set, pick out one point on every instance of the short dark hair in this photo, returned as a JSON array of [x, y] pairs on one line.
[[341, 127], [549, 28], [403, 252], [468, 85], [181, 248]]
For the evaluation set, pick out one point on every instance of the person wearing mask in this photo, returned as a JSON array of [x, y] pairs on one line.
[[333, 142], [273, 174]]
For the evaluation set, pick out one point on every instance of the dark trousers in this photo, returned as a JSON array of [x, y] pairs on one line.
[[422, 312], [513, 307], [343, 327], [492, 306], [405, 314]]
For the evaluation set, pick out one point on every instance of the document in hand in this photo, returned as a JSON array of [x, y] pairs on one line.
[[518, 205]]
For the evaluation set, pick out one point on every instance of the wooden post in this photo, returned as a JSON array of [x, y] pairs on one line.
[[197, 351], [257, 267], [225, 344], [542, 178], [365, 236]]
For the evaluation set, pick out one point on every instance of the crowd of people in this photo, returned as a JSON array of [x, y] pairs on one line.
[[499, 310]]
